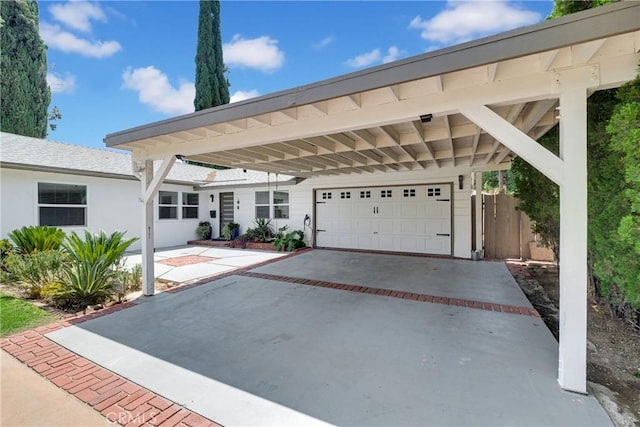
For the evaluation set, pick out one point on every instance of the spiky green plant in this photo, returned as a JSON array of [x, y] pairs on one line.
[[87, 283], [96, 246], [30, 239]]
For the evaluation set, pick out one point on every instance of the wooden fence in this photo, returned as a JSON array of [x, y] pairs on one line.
[[507, 231]]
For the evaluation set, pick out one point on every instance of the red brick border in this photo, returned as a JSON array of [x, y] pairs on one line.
[[118, 399], [502, 308]]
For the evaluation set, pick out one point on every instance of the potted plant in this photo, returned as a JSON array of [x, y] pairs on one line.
[[230, 231], [203, 231]]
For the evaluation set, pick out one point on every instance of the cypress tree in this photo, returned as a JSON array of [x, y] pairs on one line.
[[23, 64], [212, 87]]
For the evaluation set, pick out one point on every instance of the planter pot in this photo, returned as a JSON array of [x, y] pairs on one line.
[[235, 233], [207, 235]]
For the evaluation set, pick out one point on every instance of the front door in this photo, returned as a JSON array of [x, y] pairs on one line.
[[226, 209]]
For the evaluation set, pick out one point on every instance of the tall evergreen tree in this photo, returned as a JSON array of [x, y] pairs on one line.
[[23, 64], [212, 87]]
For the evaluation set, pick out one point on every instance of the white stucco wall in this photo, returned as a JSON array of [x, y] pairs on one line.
[[301, 199], [112, 204]]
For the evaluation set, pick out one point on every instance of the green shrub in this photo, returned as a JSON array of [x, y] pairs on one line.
[[289, 240], [130, 278], [87, 283], [37, 270], [263, 231], [6, 248], [94, 247], [28, 240], [91, 277]]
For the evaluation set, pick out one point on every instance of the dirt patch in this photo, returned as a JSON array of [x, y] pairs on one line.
[[613, 346]]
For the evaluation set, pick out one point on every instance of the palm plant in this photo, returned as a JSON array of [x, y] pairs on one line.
[[87, 283], [263, 230], [91, 276], [96, 246], [28, 240]]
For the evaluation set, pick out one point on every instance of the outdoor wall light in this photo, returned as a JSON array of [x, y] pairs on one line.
[[213, 197], [426, 118], [460, 181]]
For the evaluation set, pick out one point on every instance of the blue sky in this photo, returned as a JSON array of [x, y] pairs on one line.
[[119, 64]]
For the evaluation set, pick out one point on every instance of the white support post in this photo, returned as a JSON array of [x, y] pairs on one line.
[[148, 287], [479, 217], [572, 362], [150, 185]]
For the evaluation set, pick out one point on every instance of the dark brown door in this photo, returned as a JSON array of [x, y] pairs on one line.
[[226, 209]]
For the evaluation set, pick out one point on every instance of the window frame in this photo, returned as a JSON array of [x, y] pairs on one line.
[[262, 205], [40, 206], [168, 205], [279, 211], [188, 206]]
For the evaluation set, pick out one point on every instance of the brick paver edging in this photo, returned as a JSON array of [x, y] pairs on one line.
[[502, 308], [118, 399]]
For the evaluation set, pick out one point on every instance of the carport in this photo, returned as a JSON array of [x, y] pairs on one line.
[[478, 103], [344, 338]]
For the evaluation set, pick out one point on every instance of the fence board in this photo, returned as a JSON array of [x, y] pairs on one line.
[[507, 231]]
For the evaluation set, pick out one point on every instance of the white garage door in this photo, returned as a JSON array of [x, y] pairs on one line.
[[399, 218]]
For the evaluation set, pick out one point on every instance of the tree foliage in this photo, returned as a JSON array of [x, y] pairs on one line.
[[23, 63], [539, 196], [619, 269], [212, 86], [566, 7], [613, 156]]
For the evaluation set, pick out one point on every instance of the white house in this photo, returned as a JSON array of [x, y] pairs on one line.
[[75, 188]]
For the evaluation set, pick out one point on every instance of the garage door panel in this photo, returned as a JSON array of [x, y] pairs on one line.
[[404, 219]]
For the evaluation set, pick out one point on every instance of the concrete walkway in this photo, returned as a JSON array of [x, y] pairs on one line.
[[186, 264], [398, 340], [30, 400]]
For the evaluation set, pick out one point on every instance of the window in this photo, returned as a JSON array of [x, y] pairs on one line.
[[62, 204], [345, 194], [409, 192], [433, 192], [190, 202], [326, 196], [281, 204], [168, 205], [385, 193], [262, 204], [365, 194]]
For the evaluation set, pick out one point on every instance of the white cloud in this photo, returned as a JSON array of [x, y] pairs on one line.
[[56, 38], [364, 59], [78, 14], [324, 42], [261, 53], [392, 54], [241, 95], [466, 20], [155, 90], [59, 84]]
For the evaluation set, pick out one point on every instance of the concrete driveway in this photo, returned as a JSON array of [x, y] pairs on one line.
[[344, 338]]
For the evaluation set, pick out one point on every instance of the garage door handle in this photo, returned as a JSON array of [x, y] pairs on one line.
[[443, 200], [321, 202], [442, 234], [317, 231]]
